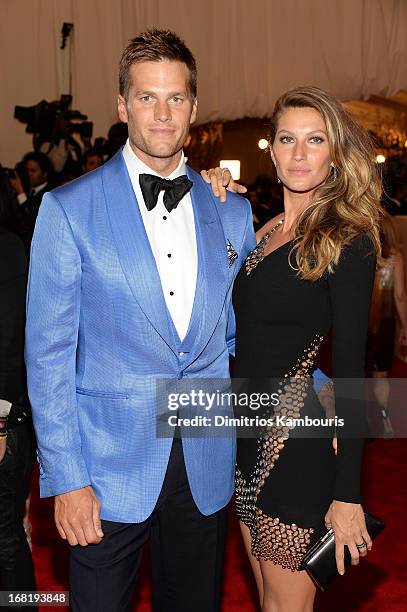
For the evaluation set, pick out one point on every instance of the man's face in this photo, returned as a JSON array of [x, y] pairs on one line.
[[35, 175], [158, 111]]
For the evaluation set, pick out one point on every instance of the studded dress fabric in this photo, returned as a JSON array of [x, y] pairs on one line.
[[287, 475]]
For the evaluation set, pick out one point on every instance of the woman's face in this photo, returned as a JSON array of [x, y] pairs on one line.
[[300, 150]]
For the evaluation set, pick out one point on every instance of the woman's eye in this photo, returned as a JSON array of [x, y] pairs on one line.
[[176, 99], [316, 139], [286, 139], [145, 98]]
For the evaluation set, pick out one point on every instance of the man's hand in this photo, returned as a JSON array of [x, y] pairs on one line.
[[3, 444], [77, 517], [348, 523], [220, 179]]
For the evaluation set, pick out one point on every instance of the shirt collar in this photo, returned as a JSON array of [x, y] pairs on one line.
[[39, 187], [136, 167]]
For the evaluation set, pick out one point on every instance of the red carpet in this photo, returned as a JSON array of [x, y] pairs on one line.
[[379, 584]]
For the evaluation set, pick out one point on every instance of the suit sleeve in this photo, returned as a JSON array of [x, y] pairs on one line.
[[53, 309], [350, 293], [248, 244]]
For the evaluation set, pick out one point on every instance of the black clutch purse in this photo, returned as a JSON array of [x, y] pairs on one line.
[[320, 562]]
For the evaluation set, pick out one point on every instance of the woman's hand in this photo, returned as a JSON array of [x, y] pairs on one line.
[[3, 444], [220, 179], [348, 523]]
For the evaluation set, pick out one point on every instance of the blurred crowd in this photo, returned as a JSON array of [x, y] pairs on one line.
[[50, 166], [68, 158]]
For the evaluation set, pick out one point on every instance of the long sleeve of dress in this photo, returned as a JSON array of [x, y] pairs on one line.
[[350, 293]]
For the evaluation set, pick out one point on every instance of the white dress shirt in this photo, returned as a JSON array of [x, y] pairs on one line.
[[21, 197], [172, 240]]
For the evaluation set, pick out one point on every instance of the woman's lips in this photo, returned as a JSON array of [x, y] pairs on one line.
[[299, 171]]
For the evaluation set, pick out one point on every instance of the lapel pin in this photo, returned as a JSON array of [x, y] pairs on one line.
[[232, 255]]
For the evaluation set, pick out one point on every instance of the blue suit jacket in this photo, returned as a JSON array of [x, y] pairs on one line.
[[99, 335]]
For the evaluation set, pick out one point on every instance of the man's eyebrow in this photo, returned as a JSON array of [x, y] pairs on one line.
[[146, 92]]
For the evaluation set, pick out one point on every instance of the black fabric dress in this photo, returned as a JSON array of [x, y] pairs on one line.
[[285, 483]]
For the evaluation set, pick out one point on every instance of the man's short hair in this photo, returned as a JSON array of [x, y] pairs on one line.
[[156, 46], [42, 160]]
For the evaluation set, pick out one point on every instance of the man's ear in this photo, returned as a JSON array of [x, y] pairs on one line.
[[194, 111], [122, 109]]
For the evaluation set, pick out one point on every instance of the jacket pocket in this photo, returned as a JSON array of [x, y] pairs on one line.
[[106, 394]]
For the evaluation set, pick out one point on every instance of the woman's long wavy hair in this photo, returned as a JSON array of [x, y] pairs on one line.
[[347, 204]]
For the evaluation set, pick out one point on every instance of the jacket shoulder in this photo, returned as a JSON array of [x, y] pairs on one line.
[[78, 193], [235, 205]]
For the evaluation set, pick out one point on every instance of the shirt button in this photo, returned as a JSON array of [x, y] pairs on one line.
[[169, 255], [171, 293], [181, 354], [165, 218]]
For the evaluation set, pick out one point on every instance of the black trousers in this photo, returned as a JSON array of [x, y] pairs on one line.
[[187, 551], [16, 566]]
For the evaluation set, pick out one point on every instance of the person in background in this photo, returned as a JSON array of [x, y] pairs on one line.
[[92, 159], [394, 200], [39, 171], [16, 433], [389, 301]]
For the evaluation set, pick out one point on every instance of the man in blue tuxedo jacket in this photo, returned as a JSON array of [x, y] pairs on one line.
[[130, 281]]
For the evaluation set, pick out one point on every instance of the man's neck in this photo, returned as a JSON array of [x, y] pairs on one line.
[[164, 166]]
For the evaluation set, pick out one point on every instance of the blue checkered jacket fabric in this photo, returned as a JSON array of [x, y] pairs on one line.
[[99, 335]]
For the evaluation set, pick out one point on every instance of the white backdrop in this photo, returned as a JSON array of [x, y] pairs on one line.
[[248, 53]]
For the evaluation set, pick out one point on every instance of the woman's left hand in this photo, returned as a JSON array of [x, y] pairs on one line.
[[348, 523], [220, 179]]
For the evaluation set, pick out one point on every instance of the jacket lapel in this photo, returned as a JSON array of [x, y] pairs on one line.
[[212, 277], [132, 244]]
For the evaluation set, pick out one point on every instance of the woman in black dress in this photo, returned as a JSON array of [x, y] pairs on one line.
[[311, 273]]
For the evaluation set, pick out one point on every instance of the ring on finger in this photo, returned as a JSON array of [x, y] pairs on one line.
[[361, 546]]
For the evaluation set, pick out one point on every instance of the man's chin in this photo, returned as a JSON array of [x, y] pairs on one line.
[[164, 152]]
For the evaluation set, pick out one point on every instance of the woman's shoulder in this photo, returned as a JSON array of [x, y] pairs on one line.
[[360, 245], [358, 256]]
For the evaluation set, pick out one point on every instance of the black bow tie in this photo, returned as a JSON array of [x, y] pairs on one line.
[[175, 190]]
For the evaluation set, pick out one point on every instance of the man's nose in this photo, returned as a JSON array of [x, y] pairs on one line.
[[162, 111]]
